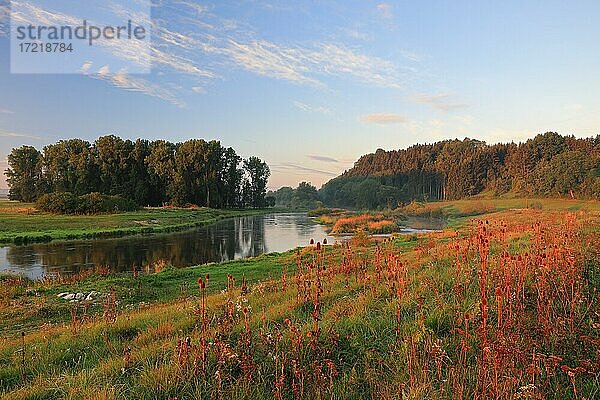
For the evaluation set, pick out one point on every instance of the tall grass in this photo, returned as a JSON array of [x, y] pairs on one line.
[[503, 308]]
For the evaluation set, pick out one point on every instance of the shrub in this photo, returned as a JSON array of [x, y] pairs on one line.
[[57, 203], [418, 209], [91, 203], [382, 227]]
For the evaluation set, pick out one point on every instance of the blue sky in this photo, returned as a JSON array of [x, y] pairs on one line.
[[309, 86]]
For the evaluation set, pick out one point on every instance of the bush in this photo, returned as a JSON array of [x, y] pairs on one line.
[[57, 203], [91, 203], [418, 209]]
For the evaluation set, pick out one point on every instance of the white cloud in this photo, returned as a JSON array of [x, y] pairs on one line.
[[4, 17], [382, 118], [5, 111], [179, 64], [268, 59], [127, 82], [306, 65], [104, 71], [332, 58], [198, 9], [85, 67], [190, 43]]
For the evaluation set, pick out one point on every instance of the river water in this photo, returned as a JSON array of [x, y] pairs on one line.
[[226, 240]]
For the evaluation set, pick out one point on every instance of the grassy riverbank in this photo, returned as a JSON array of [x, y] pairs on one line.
[[503, 306], [455, 209], [33, 304], [455, 212], [21, 223]]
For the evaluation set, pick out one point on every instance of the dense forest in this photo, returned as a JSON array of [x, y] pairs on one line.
[[146, 172], [549, 165]]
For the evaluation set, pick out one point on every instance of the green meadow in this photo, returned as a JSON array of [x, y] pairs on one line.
[[22, 223]]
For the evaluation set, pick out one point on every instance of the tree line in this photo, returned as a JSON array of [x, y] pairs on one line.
[[549, 165], [146, 172], [304, 197]]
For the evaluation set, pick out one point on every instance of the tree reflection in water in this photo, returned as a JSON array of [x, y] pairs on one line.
[[225, 240]]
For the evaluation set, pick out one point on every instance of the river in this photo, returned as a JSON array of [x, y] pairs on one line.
[[225, 240]]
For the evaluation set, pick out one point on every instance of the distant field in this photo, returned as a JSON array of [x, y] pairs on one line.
[[21, 223], [550, 204], [456, 209]]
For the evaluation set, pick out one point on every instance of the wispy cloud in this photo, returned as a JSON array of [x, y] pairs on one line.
[[85, 67], [442, 101], [127, 82], [4, 17], [385, 10], [294, 168], [135, 52], [368, 69], [5, 111], [311, 108], [104, 71], [191, 43], [269, 59], [382, 118], [322, 158], [306, 65], [18, 135]]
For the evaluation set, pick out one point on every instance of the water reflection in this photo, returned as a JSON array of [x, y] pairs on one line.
[[226, 240], [230, 239]]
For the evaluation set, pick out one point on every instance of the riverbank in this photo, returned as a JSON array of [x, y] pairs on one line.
[[449, 213], [454, 210], [20, 223], [434, 309], [26, 305]]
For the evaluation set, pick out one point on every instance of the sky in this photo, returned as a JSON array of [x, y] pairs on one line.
[[310, 86]]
